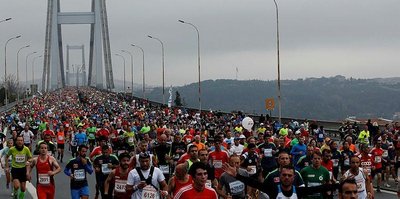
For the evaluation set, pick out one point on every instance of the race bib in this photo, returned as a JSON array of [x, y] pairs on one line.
[[43, 179], [378, 159], [105, 169], [252, 169], [335, 162], [120, 152], [360, 187], [385, 153], [320, 136], [79, 174], [20, 158], [188, 140], [130, 139], [149, 192], [164, 169], [120, 186], [346, 162], [218, 164], [268, 152], [208, 183], [61, 138], [237, 187]]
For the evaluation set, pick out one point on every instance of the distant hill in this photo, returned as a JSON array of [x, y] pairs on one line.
[[332, 98]]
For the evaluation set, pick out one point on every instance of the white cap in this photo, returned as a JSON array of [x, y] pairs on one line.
[[242, 137]]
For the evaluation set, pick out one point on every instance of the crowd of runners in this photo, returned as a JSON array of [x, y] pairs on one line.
[[138, 149]]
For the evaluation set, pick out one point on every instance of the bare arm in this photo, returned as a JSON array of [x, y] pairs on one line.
[[220, 191], [107, 182], [171, 185], [55, 165]]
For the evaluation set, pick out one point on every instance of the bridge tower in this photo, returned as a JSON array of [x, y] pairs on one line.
[[53, 67], [83, 65]]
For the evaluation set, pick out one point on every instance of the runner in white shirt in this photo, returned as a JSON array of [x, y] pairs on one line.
[[28, 137], [146, 181], [360, 176]]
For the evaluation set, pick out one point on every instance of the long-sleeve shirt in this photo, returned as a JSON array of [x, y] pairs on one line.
[[297, 151], [76, 167]]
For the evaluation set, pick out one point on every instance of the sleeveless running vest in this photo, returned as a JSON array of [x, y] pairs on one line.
[[43, 179]]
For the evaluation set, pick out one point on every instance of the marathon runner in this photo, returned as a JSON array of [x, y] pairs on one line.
[[21, 156], [46, 167], [76, 169]]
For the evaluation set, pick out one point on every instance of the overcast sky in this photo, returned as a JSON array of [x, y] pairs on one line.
[[358, 38]]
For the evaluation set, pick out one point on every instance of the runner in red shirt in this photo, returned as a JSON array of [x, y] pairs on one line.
[[97, 150], [60, 143], [180, 179], [197, 190], [327, 162], [48, 132], [366, 161], [45, 173], [376, 155], [118, 177], [218, 158]]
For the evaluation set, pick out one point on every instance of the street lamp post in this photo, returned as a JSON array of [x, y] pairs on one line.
[[279, 68], [7, 19], [33, 68], [163, 67], [18, 70], [198, 58], [143, 76], [26, 69], [123, 58], [130, 54], [5, 68]]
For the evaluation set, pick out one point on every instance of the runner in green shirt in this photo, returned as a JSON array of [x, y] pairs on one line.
[[315, 175], [20, 156], [129, 137], [91, 135]]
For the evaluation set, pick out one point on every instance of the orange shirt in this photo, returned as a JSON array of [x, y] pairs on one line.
[[60, 137], [200, 146]]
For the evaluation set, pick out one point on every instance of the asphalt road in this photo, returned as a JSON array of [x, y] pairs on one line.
[[61, 180]]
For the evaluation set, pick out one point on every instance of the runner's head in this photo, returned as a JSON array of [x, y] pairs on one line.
[[102, 141], [234, 161], [180, 171], [283, 158], [82, 150], [354, 163], [47, 137], [43, 148], [124, 159], [143, 146], [316, 159], [326, 155], [198, 171], [105, 150], [348, 189], [144, 160], [193, 152], [203, 155], [10, 143], [287, 175], [19, 142]]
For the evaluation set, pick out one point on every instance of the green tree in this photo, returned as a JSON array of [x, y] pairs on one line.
[[178, 100]]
